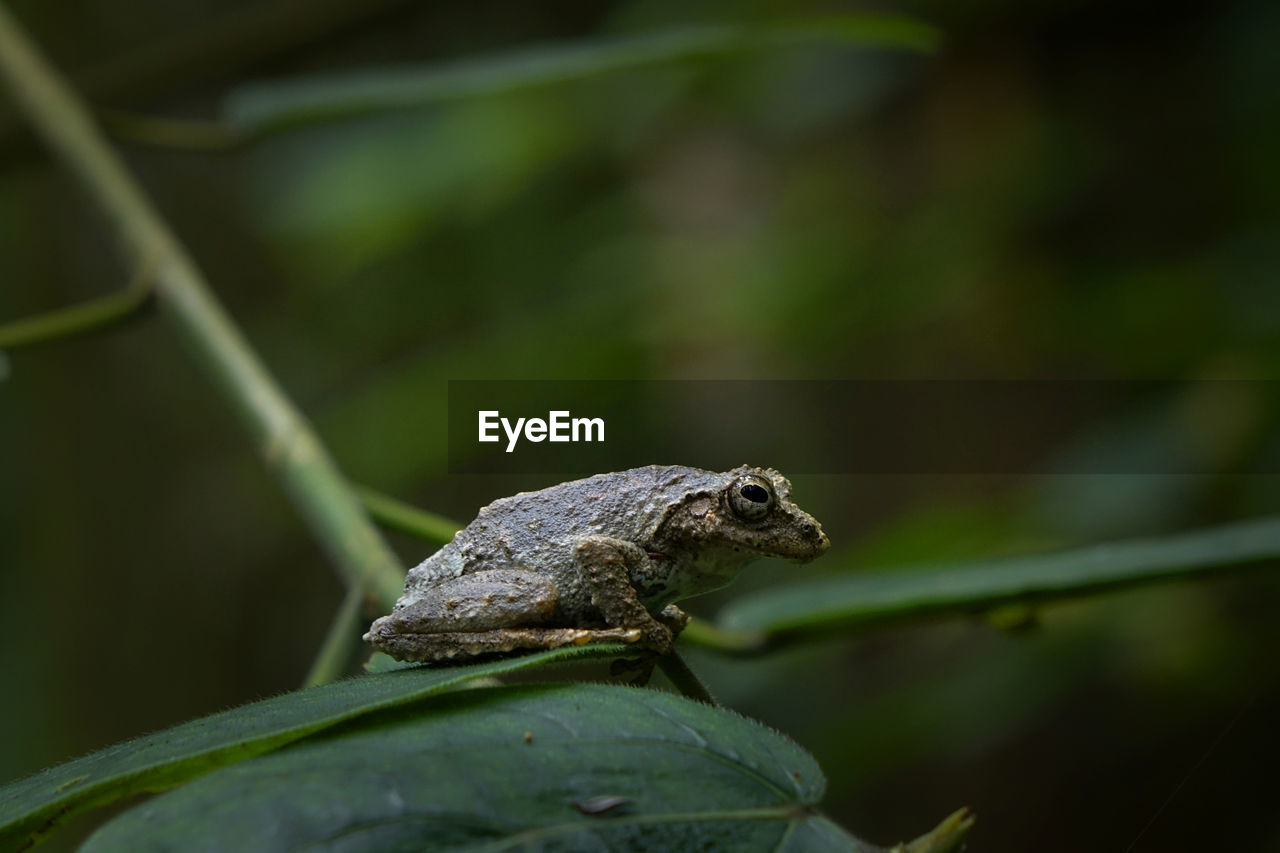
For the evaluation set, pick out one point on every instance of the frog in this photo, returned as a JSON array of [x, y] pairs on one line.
[[596, 560]]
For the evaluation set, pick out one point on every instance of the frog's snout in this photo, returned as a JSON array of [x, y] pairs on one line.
[[823, 542], [812, 539]]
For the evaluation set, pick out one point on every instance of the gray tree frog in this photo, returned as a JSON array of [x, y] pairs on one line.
[[595, 560]]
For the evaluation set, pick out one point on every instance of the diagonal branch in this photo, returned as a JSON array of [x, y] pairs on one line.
[[282, 436]]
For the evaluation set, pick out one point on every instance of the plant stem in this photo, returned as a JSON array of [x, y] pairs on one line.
[[842, 603], [93, 315], [220, 45], [405, 517], [946, 837], [273, 107], [341, 643], [684, 678], [281, 435], [181, 134], [703, 633]]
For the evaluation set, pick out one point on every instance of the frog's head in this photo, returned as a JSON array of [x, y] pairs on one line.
[[750, 511]]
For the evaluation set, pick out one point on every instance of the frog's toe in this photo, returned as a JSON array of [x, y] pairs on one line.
[[674, 618], [658, 637]]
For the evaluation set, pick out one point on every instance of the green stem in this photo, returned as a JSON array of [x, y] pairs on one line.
[[405, 517], [946, 837], [841, 603], [686, 681], [93, 315], [222, 44], [183, 134], [700, 632], [340, 644], [282, 436], [290, 103]]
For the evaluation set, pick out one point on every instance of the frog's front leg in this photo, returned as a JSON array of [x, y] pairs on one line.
[[483, 613], [606, 566]]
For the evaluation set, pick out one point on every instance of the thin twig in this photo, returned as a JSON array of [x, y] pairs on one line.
[[178, 134], [946, 837], [93, 315], [282, 436], [341, 643], [405, 517], [221, 45], [702, 633], [684, 678]]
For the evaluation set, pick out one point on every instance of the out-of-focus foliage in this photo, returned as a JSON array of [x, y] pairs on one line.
[[840, 602], [1080, 190]]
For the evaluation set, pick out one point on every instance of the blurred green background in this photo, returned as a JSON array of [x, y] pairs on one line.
[[1065, 190]]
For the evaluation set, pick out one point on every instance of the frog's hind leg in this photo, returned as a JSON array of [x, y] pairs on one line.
[[496, 598], [490, 612], [459, 646]]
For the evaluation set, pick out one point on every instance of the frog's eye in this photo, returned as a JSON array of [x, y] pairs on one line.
[[751, 498]]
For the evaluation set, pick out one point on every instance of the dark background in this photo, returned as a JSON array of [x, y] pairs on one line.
[[1066, 191]]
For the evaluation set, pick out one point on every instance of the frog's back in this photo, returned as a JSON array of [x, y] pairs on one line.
[[535, 530], [532, 529]]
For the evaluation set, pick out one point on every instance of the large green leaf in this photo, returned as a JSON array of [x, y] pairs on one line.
[[846, 601], [556, 767], [30, 807], [266, 106]]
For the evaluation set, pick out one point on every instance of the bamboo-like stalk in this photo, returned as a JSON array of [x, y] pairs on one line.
[[282, 436]]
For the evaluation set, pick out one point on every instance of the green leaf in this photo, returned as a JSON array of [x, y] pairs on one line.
[[543, 767], [268, 106], [30, 807], [840, 602]]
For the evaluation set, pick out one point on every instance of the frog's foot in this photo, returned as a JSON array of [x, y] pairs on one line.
[[606, 564], [459, 646], [639, 670]]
